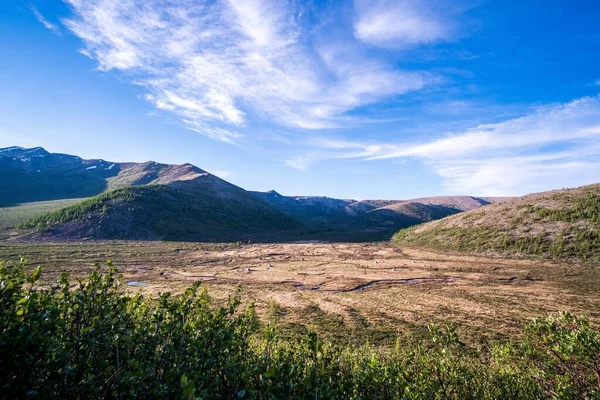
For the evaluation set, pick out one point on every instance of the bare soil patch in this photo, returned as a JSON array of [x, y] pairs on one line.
[[347, 291]]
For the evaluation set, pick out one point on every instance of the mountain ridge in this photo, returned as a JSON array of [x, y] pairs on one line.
[[34, 174]]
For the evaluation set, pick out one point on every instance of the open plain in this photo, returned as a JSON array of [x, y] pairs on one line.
[[346, 291]]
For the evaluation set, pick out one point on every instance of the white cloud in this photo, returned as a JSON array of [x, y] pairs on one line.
[[222, 173], [50, 26], [517, 175], [300, 163], [332, 148], [550, 125], [219, 64], [401, 23], [552, 147]]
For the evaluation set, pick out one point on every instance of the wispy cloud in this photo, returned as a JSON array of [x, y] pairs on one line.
[[49, 25], [553, 146], [332, 148], [220, 64], [401, 23], [549, 125], [222, 173]]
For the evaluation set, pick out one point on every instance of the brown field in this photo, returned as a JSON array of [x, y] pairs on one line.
[[346, 291]]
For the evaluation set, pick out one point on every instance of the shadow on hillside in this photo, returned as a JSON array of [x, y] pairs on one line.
[[270, 237], [329, 236], [20, 187]]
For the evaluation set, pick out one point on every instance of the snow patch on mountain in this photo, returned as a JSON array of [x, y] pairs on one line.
[[12, 148]]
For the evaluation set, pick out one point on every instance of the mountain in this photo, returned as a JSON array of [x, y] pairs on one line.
[[378, 219], [318, 209], [133, 200], [560, 223], [427, 208], [199, 209], [36, 175], [310, 209], [160, 201]]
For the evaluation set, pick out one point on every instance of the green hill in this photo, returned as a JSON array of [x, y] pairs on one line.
[[556, 224], [184, 210]]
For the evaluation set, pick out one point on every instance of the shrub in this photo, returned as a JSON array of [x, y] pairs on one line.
[[91, 340]]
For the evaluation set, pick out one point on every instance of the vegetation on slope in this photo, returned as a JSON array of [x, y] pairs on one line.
[[410, 213], [561, 224], [10, 217], [94, 341], [166, 212]]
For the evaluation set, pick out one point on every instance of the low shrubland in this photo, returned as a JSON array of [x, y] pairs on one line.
[[559, 225], [572, 244], [90, 339]]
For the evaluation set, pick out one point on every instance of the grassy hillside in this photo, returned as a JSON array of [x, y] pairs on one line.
[[558, 224], [457, 203], [10, 217], [410, 213], [186, 211]]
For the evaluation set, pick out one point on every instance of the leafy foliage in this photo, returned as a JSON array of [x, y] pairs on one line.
[[90, 340]]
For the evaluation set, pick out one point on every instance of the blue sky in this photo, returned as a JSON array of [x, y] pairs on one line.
[[351, 99]]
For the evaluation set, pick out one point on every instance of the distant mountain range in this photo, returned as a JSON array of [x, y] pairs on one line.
[[182, 202]]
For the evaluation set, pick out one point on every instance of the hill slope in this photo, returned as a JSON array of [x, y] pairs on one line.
[[129, 200], [35, 175], [199, 208], [306, 208], [379, 218], [12, 216], [561, 223], [425, 209]]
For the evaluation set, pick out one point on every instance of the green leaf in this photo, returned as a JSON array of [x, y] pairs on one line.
[[271, 372]]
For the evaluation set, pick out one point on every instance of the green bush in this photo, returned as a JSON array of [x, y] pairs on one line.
[[91, 340]]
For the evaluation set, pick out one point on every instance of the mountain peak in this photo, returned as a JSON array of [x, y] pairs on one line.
[[11, 148], [22, 151]]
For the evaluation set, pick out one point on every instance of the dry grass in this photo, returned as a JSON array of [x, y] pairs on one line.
[[559, 224], [311, 284]]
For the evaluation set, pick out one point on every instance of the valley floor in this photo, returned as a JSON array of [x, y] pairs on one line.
[[348, 292]]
